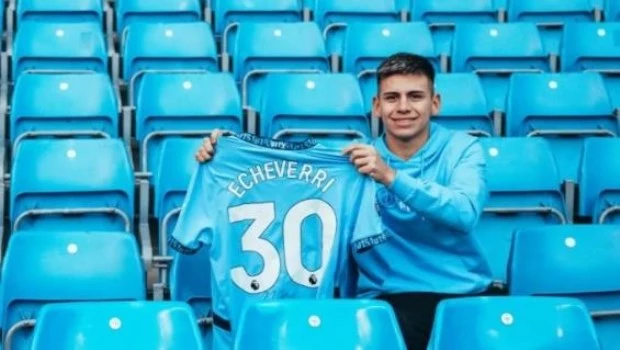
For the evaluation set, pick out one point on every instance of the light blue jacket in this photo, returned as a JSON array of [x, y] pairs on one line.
[[429, 213]]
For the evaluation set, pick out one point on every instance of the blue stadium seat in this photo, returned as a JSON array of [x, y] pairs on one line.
[[116, 325], [190, 282], [60, 11], [443, 16], [495, 52], [229, 13], [333, 16], [129, 12], [209, 101], [513, 323], [261, 48], [593, 47], [328, 107], [157, 47], [367, 44], [85, 184], [564, 108], [611, 11], [319, 324], [463, 104], [579, 261], [42, 267], [524, 190], [599, 180], [175, 168], [550, 16], [49, 46], [63, 104]]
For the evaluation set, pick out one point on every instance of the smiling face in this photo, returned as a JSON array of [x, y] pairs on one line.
[[405, 103]]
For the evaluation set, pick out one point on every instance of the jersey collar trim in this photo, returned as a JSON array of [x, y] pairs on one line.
[[277, 144]]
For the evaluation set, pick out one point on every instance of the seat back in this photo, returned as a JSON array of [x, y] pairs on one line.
[[129, 12], [42, 267], [550, 17], [524, 190], [464, 105], [61, 104], [367, 44], [240, 11], [325, 106], [495, 51], [332, 16], [513, 323], [592, 47], [50, 46], [176, 166], [589, 46], [599, 180], [261, 48], [210, 101], [167, 47], [59, 11], [119, 325], [562, 107], [521, 172], [579, 261], [443, 16], [312, 324], [72, 184]]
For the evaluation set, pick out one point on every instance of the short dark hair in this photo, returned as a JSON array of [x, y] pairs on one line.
[[403, 63]]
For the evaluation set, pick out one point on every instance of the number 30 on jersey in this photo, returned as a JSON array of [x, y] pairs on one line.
[[262, 216]]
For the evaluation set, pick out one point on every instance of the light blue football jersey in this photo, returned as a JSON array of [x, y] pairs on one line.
[[281, 220]]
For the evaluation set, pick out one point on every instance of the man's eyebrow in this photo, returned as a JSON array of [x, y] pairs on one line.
[[415, 91]]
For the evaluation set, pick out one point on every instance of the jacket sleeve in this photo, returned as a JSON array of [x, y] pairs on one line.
[[457, 205]]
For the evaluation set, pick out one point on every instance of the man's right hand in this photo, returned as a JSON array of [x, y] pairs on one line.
[[206, 150]]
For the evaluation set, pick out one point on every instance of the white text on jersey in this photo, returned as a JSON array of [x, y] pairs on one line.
[[280, 169]]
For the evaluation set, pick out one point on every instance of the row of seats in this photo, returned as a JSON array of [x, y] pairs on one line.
[[554, 261], [492, 51], [222, 13], [51, 179], [331, 16], [561, 107], [96, 177], [517, 323]]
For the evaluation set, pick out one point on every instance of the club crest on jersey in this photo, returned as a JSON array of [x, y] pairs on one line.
[[387, 199]]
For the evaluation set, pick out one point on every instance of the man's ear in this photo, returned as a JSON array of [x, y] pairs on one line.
[[436, 104]]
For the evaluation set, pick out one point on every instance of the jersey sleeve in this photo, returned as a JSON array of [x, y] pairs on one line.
[[367, 232], [195, 225]]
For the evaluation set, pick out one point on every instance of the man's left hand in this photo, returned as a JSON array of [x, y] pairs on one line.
[[368, 161]]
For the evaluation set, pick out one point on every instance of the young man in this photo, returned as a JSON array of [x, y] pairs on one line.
[[431, 194]]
